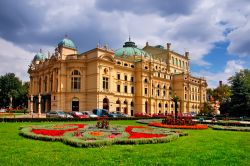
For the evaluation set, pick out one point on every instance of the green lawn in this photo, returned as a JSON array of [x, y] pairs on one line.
[[201, 147]]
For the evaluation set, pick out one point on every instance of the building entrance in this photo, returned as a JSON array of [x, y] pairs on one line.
[[75, 104]]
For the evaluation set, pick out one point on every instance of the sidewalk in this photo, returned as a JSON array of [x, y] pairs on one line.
[[34, 115]]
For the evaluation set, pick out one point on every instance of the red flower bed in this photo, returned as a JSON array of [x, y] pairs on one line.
[[55, 133], [134, 135], [197, 126]]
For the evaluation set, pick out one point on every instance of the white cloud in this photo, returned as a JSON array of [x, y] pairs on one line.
[[230, 69], [14, 59], [196, 31]]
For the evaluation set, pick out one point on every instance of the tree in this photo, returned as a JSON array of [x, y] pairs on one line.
[[240, 99], [175, 99], [11, 88], [207, 109], [222, 94]]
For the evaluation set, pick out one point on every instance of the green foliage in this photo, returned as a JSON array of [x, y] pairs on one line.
[[240, 99], [230, 128], [201, 147], [207, 109], [11, 86]]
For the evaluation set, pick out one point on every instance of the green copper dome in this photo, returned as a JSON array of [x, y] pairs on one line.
[[130, 49], [39, 56], [67, 43]]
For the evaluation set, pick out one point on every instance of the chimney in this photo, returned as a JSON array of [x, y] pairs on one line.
[[220, 83], [186, 54], [146, 43], [168, 46]]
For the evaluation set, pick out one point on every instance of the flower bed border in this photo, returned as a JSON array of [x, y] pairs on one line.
[[230, 128], [193, 127], [69, 139]]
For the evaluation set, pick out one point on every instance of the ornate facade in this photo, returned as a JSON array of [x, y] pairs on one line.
[[130, 80]]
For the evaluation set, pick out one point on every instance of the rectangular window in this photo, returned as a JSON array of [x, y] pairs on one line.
[[132, 79], [105, 83], [118, 76], [118, 88], [75, 83], [125, 77], [146, 91], [126, 89], [132, 90]]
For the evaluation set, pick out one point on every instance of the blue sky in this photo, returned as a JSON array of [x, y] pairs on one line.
[[216, 33]]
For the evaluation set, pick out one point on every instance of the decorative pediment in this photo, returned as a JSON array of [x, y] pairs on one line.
[[107, 57]]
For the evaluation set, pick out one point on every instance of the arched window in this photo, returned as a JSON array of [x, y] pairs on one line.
[[159, 105], [75, 72], [145, 81], [75, 80]]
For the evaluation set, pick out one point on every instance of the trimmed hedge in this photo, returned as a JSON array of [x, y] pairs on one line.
[[230, 128], [85, 140]]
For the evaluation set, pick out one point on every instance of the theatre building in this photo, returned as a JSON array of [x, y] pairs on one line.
[[129, 79]]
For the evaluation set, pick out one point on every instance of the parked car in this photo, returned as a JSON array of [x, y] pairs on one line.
[[56, 114], [193, 114], [78, 115], [101, 112], [90, 114], [68, 115], [2, 110], [113, 115], [118, 114]]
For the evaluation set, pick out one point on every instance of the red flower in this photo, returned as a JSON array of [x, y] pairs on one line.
[[55, 133], [198, 126], [134, 135]]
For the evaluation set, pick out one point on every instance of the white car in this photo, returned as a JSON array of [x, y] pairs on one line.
[[90, 114], [2, 110]]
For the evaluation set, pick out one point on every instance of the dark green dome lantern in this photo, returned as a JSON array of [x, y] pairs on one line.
[[67, 43], [39, 56], [130, 50]]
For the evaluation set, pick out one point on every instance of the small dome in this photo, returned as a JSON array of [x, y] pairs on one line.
[[39, 56], [130, 49], [67, 43], [159, 46]]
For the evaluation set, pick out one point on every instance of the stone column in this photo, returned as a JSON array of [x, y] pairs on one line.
[[39, 105], [31, 104]]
